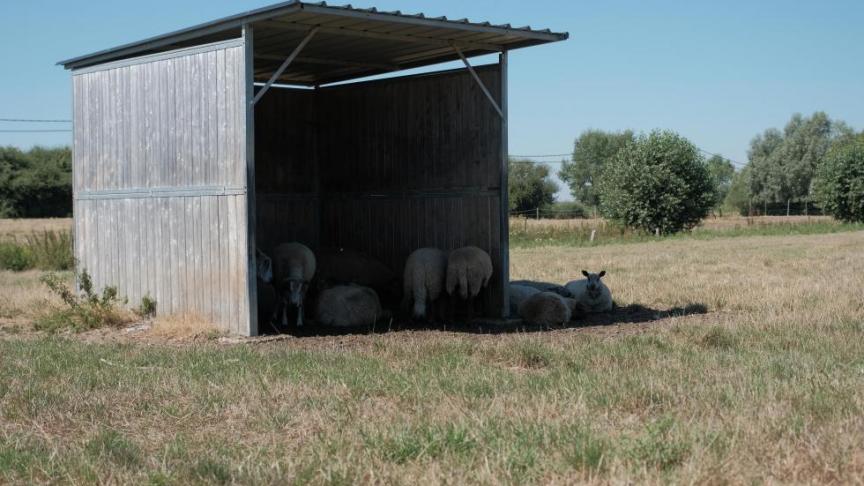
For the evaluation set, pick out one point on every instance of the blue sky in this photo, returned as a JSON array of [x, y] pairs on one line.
[[716, 72]]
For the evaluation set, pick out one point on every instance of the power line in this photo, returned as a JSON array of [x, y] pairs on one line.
[[26, 120], [35, 131]]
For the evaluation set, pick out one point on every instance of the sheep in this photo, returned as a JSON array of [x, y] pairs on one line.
[[544, 287], [468, 272], [546, 309], [267, 298], [591, 294], [518, 294], [423, 281], [343, 266], [293, 270], [348, 306]]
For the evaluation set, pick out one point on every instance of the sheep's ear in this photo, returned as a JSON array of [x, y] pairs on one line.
[[585, 273], [602, 273]]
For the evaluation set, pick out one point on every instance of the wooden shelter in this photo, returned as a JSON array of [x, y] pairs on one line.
[[194, 148]]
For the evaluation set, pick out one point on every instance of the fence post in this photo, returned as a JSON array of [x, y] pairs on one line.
[[788, 201], [538, 213]]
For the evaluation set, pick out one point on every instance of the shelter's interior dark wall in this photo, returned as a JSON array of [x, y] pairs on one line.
[[384, 167]]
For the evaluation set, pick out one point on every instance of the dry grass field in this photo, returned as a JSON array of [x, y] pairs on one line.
[[744, 365]]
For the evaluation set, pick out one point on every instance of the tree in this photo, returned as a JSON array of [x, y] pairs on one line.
[[738, 197], [839, 182], [721, 171], [783, 164], [659, 182], [591, 151], [37, 183], [530, 186]]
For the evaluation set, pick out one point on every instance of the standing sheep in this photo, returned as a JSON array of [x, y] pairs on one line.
[[423, 280], [468, 272], [348, 306], [591, 294], [294, 267], [546, 309]]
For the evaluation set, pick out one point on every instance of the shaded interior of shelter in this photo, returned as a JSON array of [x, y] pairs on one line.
[[383, 167]]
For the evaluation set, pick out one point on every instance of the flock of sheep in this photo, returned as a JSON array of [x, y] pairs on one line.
[[348, 288]]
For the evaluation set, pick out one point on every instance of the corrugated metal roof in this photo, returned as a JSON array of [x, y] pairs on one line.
[[350, 42]]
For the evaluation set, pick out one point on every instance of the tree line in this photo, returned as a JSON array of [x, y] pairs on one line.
[[36, 183], [662, 182]]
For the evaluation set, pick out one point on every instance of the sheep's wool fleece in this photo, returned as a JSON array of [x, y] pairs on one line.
[[545, 309], [347, 306]]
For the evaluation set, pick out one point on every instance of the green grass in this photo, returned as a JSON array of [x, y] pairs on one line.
[[573, 408], [607, 235]]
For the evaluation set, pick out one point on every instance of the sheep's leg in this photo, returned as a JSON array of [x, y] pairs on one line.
[[284, 314], [300, 315], [470, 307]]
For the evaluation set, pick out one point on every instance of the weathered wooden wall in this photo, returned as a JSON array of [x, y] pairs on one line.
[[160, 181], [286, 168], [384, 167]]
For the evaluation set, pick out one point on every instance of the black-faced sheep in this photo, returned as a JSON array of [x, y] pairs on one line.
[[519, 293], [294, 267], [423, 280], [544, 287], [590, 294], [468, 272], [546, 309], [348, 306]]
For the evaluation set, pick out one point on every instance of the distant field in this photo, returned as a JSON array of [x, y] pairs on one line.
[[745, 365], [18, 228]]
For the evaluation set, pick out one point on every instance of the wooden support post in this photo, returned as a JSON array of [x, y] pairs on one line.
[[504, 224], [251, 207]]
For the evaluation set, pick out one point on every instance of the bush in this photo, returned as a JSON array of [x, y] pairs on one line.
[[51, 250], [15, 257], [839, 184], [659, 182], [89, 310], [46, 251]]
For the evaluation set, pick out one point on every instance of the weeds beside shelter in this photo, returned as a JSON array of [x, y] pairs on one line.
[[193, 148]]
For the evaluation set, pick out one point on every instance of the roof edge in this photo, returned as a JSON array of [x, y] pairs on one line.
[[279, 9]]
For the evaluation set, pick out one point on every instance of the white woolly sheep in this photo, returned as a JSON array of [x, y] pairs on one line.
[[544, 287], [519, 293], [423, 279], [546, 309], [468, 272], [294, 267], [590, 294], [344, 266], [348, 306]]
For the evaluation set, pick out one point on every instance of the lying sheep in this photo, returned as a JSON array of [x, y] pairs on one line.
[[546, 309], [519, 293], [590, 294], [344, 266], [348, 306], [294, 267], [544, 287], [423, 281]]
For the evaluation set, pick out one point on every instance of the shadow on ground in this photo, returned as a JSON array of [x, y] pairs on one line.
[[632, 314]]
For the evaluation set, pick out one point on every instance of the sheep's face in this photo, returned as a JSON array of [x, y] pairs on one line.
[[594, 287], [264, 266], [296, 291]]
